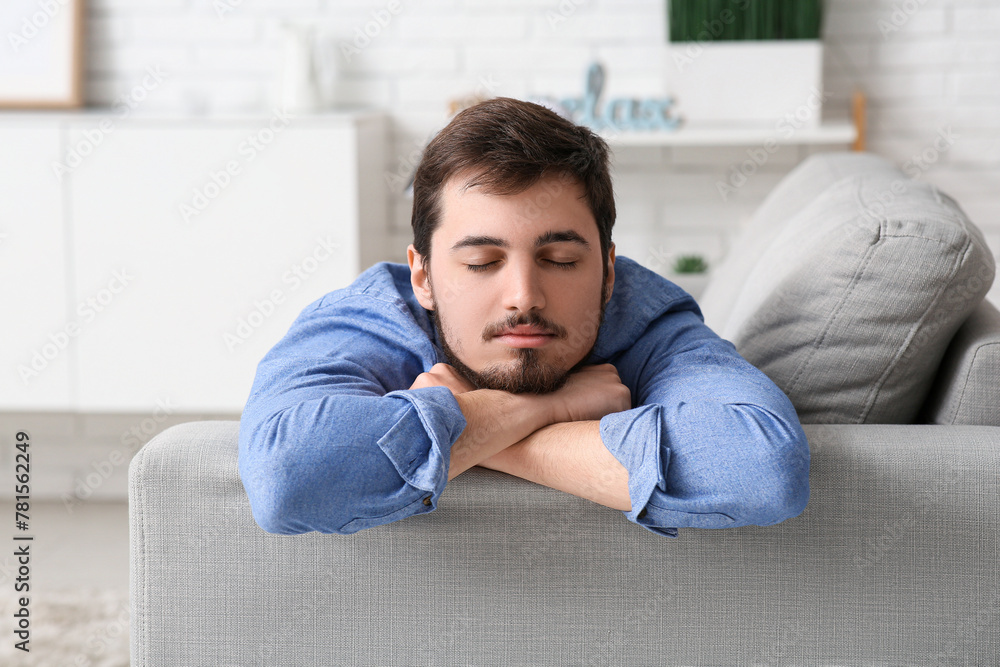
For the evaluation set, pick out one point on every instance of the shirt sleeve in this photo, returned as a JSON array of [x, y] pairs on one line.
[[328, 441], [714, 442]]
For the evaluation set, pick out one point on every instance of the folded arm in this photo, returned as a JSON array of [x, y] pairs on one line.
[[714, 443], [545, 438], [570, 457], [331, 442]]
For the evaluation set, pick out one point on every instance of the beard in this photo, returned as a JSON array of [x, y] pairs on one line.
[[526, 373]]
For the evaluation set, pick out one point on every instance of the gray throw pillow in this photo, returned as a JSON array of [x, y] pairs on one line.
[[967, 387], [853, 299]]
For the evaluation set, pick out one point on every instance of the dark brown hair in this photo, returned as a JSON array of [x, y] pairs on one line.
[[510, 145]]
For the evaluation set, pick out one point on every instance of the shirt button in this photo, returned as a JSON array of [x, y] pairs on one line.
[[642, 513], [427, 501]]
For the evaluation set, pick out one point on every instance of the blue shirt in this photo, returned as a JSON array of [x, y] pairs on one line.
[[332, 440]]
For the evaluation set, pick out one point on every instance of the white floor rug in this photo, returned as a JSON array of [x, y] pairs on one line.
[[72, 627]]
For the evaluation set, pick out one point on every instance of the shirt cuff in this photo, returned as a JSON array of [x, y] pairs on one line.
[[633, 437], [419, 443]]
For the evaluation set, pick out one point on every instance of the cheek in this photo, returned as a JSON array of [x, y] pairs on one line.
[[464, 319], [581, 294], [581, 312]]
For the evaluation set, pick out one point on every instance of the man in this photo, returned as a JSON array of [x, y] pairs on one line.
[[515, 340]]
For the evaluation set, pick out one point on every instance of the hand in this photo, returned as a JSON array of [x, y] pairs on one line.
[[443, 375], [589, 394]]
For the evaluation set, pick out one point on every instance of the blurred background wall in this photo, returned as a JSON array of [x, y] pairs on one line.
[[930, 69]]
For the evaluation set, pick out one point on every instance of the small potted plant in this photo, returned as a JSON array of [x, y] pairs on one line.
[[746, 61], [690, 273]]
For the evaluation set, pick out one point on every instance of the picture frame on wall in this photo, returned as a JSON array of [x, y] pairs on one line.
[[41, 57]]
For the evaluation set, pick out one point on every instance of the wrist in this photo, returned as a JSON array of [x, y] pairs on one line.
[[520, 412], [501, 461], [495, 420], [538, 409]]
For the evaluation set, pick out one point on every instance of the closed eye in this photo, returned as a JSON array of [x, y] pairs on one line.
[[561, 265], [478, 268]]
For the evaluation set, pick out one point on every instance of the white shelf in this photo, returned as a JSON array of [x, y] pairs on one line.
[[692, 134]]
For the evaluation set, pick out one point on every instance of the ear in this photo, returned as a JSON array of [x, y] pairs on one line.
[[611, 271], [420, 279]]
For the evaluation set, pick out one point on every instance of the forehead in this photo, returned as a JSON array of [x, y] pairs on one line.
[[554, 200]]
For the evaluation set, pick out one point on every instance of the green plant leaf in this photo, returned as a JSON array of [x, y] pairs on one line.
[[703, 20], [690, 264]]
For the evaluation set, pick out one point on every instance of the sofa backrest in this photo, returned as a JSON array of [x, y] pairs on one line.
[[847, 286]]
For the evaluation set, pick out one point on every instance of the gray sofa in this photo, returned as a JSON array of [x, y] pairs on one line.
[[893, 562]]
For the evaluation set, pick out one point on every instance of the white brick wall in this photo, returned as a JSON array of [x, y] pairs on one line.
[[926, 65]]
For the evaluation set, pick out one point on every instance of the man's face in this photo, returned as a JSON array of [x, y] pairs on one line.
[[515, 282]]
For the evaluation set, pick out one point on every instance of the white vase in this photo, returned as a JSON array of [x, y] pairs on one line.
[[770, 83], [298, 73]]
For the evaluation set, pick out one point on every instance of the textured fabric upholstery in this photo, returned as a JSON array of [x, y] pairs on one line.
[[849, 295], [893, 562], [795, 192], [967, 388]]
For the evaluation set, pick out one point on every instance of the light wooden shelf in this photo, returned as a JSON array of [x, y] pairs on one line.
[[839, 132]]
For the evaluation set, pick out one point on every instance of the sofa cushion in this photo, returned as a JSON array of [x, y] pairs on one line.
[[967, 387], [851, 300], [795, 191]]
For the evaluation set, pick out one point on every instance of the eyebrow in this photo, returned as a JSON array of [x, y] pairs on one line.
[[567, 236]]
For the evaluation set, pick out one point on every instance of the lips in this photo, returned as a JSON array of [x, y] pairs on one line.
[[525, 335], [526, 330]]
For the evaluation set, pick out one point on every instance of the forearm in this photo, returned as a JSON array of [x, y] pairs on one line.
[[570, 457], [494, 421], [316, 466]]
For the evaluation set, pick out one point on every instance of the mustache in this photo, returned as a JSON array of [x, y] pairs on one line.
[[530, 319]]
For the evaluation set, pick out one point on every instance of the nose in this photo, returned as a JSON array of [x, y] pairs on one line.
[[523, 288]]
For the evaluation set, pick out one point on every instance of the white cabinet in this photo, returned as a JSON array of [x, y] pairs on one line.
[[36, 357], [194, 244]]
